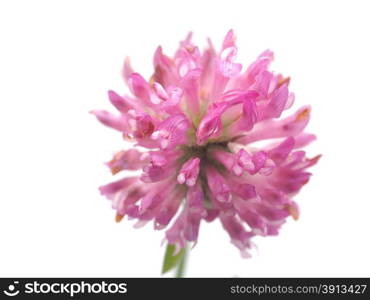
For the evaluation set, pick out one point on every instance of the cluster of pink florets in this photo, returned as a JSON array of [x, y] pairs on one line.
[[198, 118]]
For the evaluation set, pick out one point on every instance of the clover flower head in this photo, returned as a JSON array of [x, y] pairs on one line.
[[195, 127]]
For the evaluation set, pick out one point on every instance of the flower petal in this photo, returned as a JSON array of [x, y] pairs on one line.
[[116, 122], [172, 131], [269, 129], [189, 172]]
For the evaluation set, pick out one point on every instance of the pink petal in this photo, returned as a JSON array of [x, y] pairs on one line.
[[189, 172], [116, 122], [126, 160], [281, 152], [210, 126], [290, 126], [110, 189], [229, 40], [139, 87], [218, 185], [118, 102], [172, 131], [277, 103], [127, 70]]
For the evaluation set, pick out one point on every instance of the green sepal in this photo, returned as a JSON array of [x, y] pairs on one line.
[[171, 261]]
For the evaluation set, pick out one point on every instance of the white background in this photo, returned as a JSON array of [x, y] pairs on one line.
[[58, 59]]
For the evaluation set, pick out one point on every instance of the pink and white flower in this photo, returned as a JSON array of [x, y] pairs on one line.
[[198, 119]]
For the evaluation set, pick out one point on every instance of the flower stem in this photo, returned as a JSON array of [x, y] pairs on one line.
[[182, 264]]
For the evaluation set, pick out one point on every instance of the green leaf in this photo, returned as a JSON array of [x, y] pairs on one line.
[[170, 260]]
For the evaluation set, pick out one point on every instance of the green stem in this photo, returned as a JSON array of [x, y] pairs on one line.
[[182, 264]]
